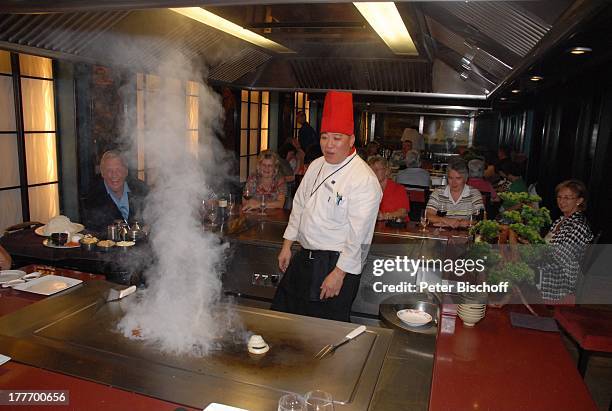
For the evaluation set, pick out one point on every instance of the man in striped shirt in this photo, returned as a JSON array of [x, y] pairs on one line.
[[453, 205]]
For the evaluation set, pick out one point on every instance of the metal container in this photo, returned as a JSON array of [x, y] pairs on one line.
[[112, 232]]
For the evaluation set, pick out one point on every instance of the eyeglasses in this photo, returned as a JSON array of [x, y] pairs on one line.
[[566, 198]]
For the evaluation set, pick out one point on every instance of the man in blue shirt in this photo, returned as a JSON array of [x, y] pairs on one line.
[[113, 198], [306, 135]]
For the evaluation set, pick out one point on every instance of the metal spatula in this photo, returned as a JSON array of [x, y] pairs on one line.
[[114, 295], [330, 348]]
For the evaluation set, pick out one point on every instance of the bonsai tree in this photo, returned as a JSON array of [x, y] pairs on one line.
[[520, 224]]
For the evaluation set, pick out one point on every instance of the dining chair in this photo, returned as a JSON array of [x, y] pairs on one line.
[[589, 326], [418, 197]]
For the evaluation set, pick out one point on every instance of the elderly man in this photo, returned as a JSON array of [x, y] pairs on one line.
[[413, 174], [112, 197], [333, 218], [453, 205]]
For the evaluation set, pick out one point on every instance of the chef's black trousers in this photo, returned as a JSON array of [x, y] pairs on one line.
[[299, 289]]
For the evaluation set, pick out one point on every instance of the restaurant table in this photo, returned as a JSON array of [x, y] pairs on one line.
[[491, 366], [495, 366], [83, 394], [118, 265]]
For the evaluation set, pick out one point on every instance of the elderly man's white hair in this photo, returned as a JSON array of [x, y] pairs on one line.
[[476, 168], [110, 154], [413, 159]]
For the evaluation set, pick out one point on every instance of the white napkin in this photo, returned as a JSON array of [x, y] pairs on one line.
[[220, 407], [4, 358]]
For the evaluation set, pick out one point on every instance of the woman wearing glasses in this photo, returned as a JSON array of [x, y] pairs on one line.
[[568, 237]]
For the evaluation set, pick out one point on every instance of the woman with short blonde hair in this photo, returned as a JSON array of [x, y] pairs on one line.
[[265, 183]]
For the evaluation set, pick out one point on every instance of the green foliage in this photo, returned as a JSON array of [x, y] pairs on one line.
[[513, 272], [536, 218], [532, 253], [512, 199], [509, 217], [528, 233], [488, 229]]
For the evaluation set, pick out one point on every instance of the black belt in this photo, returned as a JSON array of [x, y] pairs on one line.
[[313, 254]]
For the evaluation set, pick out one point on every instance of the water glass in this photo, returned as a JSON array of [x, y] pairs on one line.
[[291, 402], [262, 205], [318, 400]]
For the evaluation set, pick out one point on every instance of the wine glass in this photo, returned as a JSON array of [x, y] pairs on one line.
[[318, 400], [424, 221], [291, 402], [231, 202], [262, 205]]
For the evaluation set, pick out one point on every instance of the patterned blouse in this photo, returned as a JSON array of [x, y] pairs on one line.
[[257, 189], [570, 236]]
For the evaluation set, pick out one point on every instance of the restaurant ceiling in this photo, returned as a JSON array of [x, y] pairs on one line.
[[464, 48]]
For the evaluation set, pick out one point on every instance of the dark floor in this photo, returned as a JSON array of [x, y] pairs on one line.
[[598, 376]]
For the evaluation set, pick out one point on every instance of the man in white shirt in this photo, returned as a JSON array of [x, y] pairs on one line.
[[333, 218]]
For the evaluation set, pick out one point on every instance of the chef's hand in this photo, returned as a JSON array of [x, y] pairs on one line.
[[332, 284], [283, 258]]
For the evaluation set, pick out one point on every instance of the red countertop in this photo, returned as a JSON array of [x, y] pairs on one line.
[[494, 366]]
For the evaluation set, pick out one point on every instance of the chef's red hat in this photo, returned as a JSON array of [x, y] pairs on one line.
[[338, 113]]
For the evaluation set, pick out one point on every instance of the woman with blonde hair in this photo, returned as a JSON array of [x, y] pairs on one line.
[[265, 183], [394, 203]]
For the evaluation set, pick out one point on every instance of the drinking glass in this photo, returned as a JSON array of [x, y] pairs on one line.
[[291, 402], [262, 205], [231, 202], [424, 221], [247, 193], [318, 400]]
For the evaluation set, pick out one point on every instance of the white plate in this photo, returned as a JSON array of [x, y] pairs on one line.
[[48, 285], [41, 230], [414, 317], [9, 275], [47, 243]]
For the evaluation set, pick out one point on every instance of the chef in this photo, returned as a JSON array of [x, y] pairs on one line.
[[333, 217]]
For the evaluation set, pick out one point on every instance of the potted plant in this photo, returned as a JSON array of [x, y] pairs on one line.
[[518, 235]]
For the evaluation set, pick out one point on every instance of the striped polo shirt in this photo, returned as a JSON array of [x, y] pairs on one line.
[[468, 203]]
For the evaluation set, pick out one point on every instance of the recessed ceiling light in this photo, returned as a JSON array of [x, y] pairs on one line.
[[388, 24], [219, 23], [503, 98], [516, 91], [577, 51], [536, 78]]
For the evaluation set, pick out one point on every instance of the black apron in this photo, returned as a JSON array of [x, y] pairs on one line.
[[299, 290]]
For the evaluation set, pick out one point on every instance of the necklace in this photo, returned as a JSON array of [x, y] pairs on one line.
[[331, 174]]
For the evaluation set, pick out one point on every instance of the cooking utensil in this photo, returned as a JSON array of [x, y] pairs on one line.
[[114, 295], [330, 348]]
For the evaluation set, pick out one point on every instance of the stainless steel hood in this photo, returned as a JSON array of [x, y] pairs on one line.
[[73, 333], [464, 47]]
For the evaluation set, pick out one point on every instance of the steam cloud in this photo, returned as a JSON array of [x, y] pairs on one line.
[[175, 312]]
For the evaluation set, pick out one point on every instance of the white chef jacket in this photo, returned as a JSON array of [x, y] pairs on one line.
[[340, 214]]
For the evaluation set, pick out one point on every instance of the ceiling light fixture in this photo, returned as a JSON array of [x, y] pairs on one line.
[[503, 98], [385, 19], [219, 23], [516, 91], [536, 78], [577, 51]]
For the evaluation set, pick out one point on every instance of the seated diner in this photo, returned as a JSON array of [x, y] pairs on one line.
[[266, 182], [394, 203], [454, 205]]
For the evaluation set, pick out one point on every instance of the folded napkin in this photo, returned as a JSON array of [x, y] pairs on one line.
[[533, 322], [4, 358]]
